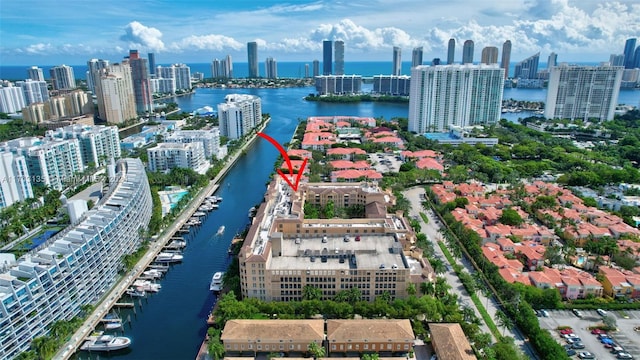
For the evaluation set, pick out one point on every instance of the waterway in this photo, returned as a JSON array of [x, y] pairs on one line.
[[171, 324]]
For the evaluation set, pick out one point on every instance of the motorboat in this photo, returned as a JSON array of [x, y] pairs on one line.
[[101, 342], [216, 282], [153, 273], [133, 292], [147, 286], [199, 214], [252, 212], [167, 257], [220, 230], [176, 244], [112, 322]]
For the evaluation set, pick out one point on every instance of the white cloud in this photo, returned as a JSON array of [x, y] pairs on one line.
[[137, 34], [359, 37], [206, 42]]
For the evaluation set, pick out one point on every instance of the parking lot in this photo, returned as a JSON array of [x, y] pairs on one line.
[[626, 336], [384, 163]]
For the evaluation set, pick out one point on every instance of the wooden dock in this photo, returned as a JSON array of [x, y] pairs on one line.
[[128, 305]]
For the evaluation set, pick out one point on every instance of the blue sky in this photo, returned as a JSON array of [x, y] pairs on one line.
[[49, 32]]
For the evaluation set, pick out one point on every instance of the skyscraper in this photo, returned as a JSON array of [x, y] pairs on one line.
[[506, 58], [35, 73], [306, 70], [397, 61], [115, 94], [467, 52], [222, 69], [552, 61], [34, 91], [338, 47], [527, 68], [252, 54], [435, 61], [489, 55], [141, 84], [451, 51], [416, 56], [239, 114], [271, 68], [152, 63], [616, 59], [629, 53], [63, 77], [474, 96], [316, 68], [93, 66], [636, 57], [327, 49], [583, 92]]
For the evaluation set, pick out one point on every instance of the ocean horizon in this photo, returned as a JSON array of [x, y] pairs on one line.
[[293, 69]]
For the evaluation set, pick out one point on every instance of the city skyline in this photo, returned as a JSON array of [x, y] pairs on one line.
[[584, 31]]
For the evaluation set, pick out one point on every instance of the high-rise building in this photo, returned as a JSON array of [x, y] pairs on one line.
[[222, 69], [93, 68], [396, 85], [636, 57], [210, 140], [98, 143], [527, 68], [35, 73], [435, 61], [34, 91], [489, 55], [11, 99], [252, 54], [306, 71], [52, 282], [14, 179], [338, 46], [552, 61], [467, 52], [416, 56], [451, 51], [239, 114], [616, 59], [583, 92], [506, 58], [68, 105], [629, 53], [316, 68], [338, 84], [473, 96], [115, 96], [397, 61], [271, 68], [176, 155], [327, 49], [140, 79], [183, 76], [165, 81], [62, 77], [152, 63]]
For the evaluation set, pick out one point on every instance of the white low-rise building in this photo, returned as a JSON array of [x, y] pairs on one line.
[[210, 140], [166, 156]]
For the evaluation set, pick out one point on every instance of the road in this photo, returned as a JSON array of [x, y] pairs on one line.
[[432, 230]]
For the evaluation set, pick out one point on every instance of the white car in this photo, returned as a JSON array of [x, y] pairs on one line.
[[601, 312], [586, 355]]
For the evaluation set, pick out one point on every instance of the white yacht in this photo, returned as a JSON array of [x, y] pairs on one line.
[[133, 292], [220, 230], [100, 342], [166, 257], [216, 282]]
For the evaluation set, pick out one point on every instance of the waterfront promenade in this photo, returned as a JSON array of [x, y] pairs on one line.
[[113, 296]]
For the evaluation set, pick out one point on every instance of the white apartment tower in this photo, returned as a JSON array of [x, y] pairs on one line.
[[63, 77], [71, 104], [210, 140], [583, 92], [34, 91], [239, 114], [93, 73], [178, 75], [35, 73], [271, 68], [166, 156], [98, 143], [11, 99], [14, 179], [461, 95], [114, 91]]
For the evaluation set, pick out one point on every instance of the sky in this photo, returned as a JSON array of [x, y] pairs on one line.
[[52, 32]]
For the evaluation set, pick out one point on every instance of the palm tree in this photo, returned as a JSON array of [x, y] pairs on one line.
[[504, 321], [317, 351], [427, 288], [411, 289], [311, 293], [44, 346]]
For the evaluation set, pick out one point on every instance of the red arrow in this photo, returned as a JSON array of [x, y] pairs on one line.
[[284, 154]]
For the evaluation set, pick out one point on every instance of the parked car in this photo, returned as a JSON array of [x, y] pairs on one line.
[[601, 312], [545, 313], [566, 331], [617, 350], [578, 345], [570, 335], [571, 352], [586, 355], [624, 355], [573, 340], [598, 331], [577, 313]]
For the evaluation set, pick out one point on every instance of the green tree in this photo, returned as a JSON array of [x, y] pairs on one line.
[[310, 292], [504, 321], [511, 217], [317, 351]]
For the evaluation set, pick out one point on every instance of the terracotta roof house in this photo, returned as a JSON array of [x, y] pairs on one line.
[[370, 335], [450, 343], [271, 335]]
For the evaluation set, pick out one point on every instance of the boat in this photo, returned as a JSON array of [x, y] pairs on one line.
[[167, 257], [147, 285], [153, 273], [216, 282], [176, 244], [113, 324], [252, 212], [199, 214], [133, 292], [220, 230], [101, 342]]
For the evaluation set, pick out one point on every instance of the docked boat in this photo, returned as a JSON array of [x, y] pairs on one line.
[[112, 324], [216, 282], [167, 257], [153, 273], [220, 230], [101, 342], [176, 244], [147, 286], [133, 292], [252, 212], [199, 214]]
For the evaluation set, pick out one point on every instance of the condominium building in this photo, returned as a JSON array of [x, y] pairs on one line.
[[14, 179], [183, 76], [527, 68], [271, 68], [316, 68], [63, 77], [222, 69], [616, 59], [629, 53], [397, 61], [489, 55], [210, 140], [115, 94], [416, 56], [239, 114], [66, 106], [252, 55], [98, 143], [467, 52], [93, 72], [283, 251], [583, 92], [327, 48], [338, 84], [163, 85], [35, 73], [11, 99], [451, 51], [461, 95], [49, 162], [140, 80], [34, 91], [506, 58], [179, 76], [77, 266], [338, 47], [166, 156], [392, 85]]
